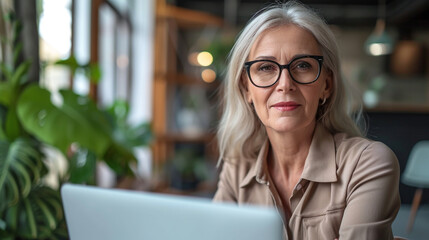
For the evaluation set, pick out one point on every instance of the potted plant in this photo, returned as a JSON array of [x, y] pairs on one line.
[[30, 122], [187, 170]]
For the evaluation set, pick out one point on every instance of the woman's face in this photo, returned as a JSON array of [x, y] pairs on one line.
[[287, 105]]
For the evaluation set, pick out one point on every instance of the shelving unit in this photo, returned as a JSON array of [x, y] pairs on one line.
[[170, 79]]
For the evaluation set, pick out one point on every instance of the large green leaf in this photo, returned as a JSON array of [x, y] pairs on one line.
[[70, 62], [12, 127], [19, 73], [21, 166], [77, 120], [124, 133], [3, 115], [120, 159], [125, 138], [6, 71], [91, 70], [5, 93], [82, 166], [39, 216]]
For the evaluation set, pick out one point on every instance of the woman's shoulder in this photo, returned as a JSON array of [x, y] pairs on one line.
[[237, 164], [358, 149]]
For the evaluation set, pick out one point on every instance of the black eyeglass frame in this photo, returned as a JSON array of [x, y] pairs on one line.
[[319, 59]]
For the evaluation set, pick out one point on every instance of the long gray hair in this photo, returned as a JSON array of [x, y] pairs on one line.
[[240, 132]]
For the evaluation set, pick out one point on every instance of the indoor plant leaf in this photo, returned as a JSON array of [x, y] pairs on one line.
[[27, 216], [69, 62], [16, 175], [11, 217], [49, 216], [18, 74], [23, 177], [119, 158], [3, 114], [12, 127], [5, 93], [82, 166], [86, 108], [6, 71], [77, 120], [37, 216]]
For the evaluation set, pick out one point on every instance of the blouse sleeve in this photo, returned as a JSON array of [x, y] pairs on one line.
[[372, 195]]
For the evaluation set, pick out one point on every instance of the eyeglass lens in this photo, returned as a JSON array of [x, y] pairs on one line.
[[302, 70]]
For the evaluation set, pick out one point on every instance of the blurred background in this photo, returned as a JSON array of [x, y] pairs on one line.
[[126, 94]]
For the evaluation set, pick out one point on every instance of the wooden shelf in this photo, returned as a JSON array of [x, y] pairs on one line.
[[180, 137], [171, 21], [183, 79], [205, 189], [186, 18], [399, 107]]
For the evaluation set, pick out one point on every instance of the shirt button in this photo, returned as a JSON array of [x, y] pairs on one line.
[[298, 187]]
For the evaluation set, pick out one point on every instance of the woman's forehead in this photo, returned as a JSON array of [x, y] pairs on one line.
[[287, 39]]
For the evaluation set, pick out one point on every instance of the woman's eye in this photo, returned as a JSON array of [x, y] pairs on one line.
[[267, 67], [302, 66]]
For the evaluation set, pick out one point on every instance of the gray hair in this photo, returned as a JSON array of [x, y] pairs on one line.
[[240, 132]]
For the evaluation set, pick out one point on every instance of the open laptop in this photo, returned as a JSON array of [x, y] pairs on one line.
[[98, 213]]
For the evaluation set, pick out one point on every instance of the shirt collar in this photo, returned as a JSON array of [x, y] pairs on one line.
[[319, 166], [258, 170]]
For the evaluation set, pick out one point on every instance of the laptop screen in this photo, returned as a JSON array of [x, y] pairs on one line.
[[98, 213]]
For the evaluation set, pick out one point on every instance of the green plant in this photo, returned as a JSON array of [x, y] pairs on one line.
[[91, 71], [187, 169], [28, 209], [77, 127]]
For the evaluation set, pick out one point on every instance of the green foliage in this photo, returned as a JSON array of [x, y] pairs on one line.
[[220, 48], [82, 166], [92, 71], [98, 133], [38, 216], [84, 133], [190, 165], [78, 119], [27, 209], [21, 165], [124, 133], [13, 80], [124, 138]]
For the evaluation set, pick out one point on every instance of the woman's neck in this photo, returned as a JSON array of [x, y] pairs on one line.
[[289, 150]]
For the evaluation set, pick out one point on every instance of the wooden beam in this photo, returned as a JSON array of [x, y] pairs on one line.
[[188, 18], [95, 8]]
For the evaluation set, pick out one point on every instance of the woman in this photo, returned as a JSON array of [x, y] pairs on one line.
[[287, 138]]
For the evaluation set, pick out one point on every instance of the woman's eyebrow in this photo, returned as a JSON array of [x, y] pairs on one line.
[[265, 58], [290, 59]]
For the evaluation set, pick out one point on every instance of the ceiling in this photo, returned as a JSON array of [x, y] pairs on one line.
[[401, 13]]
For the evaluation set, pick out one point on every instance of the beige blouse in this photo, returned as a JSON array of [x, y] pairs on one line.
[[348, 188]]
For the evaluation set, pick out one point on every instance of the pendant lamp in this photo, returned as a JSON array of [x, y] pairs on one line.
[[379, 42]]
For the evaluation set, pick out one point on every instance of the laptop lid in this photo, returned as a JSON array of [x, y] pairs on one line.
[[98, 213]]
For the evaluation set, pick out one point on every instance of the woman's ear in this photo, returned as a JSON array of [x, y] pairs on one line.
[[245, 84], [249, 98], [329, 85]]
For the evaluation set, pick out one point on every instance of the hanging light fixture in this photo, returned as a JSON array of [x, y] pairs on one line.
[[379, 42]]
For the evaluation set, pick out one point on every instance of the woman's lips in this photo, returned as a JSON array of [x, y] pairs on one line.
[[286, 106]]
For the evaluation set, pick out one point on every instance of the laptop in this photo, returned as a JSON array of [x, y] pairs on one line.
[[100, 213]]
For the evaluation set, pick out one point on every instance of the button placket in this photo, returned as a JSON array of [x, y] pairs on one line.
[[297, 195]]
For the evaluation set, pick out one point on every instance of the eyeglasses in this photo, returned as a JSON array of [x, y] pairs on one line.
[[303, 69]]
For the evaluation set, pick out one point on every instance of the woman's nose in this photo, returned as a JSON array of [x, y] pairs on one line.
[[286, 83]]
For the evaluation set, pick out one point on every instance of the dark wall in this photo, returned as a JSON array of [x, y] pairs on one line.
[[400, 131]]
